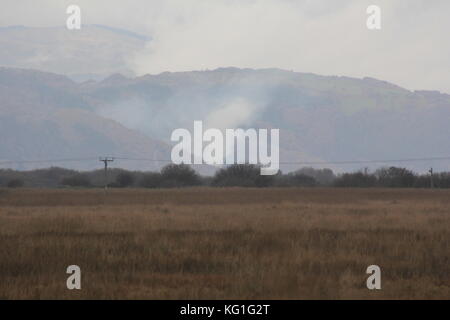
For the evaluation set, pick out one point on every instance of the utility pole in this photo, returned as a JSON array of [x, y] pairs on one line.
[[106, 161], [431, 178]]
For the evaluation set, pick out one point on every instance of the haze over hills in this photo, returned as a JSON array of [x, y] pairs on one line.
[[94, 52], [45, 116], [320, 118]]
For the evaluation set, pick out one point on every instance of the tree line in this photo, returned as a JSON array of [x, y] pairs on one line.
[[239, 175]]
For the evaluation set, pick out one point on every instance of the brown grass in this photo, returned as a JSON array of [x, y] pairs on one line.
[[225, 243]]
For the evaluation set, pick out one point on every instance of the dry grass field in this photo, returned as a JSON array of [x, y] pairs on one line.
[[225, 243]]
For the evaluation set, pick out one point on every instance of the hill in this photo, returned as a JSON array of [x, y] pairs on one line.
[[94, 52], [321, 118], [45, 116]]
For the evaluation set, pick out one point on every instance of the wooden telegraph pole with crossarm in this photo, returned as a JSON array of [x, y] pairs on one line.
[[106, 161]]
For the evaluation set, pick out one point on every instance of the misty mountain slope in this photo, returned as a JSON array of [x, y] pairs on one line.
[[44, 116], [32, 92], [95, 51], [321, 118]]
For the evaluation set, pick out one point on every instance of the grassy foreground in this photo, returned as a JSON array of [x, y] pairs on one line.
[[225, 243]]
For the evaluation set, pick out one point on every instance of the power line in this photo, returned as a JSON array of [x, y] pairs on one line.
[[47, 160], [322, 162], [371, 161], [143, 159], [281, 162]]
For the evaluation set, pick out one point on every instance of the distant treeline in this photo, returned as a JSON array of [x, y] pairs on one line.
[[240, 175]]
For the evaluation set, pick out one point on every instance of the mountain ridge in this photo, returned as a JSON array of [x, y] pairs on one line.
[[57, 50], [321, 118]]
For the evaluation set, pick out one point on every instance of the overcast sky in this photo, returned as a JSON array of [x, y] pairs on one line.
[[326, 37]]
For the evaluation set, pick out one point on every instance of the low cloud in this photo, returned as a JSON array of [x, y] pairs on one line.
[[320, 36]]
